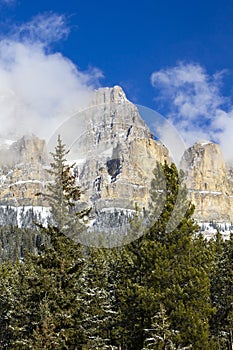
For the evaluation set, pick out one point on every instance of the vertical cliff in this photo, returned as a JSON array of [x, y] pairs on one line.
[[115, 154], [22, 171], [209, 182]]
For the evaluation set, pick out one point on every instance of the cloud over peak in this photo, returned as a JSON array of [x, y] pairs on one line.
[[45, 28], [7, 2], [39, 87], [195, 104]]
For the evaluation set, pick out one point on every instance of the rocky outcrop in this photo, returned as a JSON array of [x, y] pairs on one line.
[[122, 180], [22, 171], [209, 182], [113, 149], [28, 149], [115, 154]]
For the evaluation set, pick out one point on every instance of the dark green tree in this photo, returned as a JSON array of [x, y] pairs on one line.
[[222, 293], [169, 267], [49, 293], [63, 195], [98, 315], [8, 302], [160, 336]]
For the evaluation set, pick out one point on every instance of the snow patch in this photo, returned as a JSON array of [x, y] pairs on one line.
[[210, 229], [6, 143], [217, 193], [43, 213], [204, 142], [24, 182]]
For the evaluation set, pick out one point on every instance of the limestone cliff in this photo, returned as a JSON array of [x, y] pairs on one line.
[[22, 171], [209, 182], [113, 148], [115, 154]]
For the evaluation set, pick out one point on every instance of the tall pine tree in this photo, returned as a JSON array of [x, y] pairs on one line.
[[50, 282], [63, 195], [222, 293], [169, 267]]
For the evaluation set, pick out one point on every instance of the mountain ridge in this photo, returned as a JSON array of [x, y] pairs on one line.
[[116, 153]]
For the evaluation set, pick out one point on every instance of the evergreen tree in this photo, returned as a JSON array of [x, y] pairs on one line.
[[45, 335], [160, 336], [98, 314], [222, 293], [16, 312], [49, 293], [14, 241], [170, 268], [153, 293], [8, 301], [63, 194]]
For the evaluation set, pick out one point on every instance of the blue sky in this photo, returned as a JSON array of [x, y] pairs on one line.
[[129, 40], [173, 56]]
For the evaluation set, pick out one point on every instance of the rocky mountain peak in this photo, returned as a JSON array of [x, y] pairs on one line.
[[109, 119], [117, 151], [109, 95], [205, 166], [207, 178], [28, 149], [115, 154], [22, 172]]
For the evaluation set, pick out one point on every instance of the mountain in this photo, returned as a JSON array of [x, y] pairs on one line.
[[210, 182], [23, 171], [115, 154], [118, 153]]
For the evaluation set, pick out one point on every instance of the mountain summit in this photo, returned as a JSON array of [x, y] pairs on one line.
[[115, 154]]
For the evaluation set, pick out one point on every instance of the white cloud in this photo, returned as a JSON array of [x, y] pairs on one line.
[[38, 88], [195, 104], [44, 28], [7, 3]]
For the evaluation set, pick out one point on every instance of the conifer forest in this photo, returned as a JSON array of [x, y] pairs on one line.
[[165, 289]]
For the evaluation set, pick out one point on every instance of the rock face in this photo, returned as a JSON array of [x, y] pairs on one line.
[[115, 154], [118, 153], [28, 149], [209, 182], [22, 171], [113, 148]]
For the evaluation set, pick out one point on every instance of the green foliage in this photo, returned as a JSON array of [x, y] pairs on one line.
[[167, 289], [98, 314], [222, 293], [169, 268], [63, 195], [15, 242], [160, 336], [44, 336], [47, 285], [8, 301]]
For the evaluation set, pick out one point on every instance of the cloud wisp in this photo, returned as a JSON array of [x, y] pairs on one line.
[[195, 104], [43, 29], [7, 2], [39, 87]]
